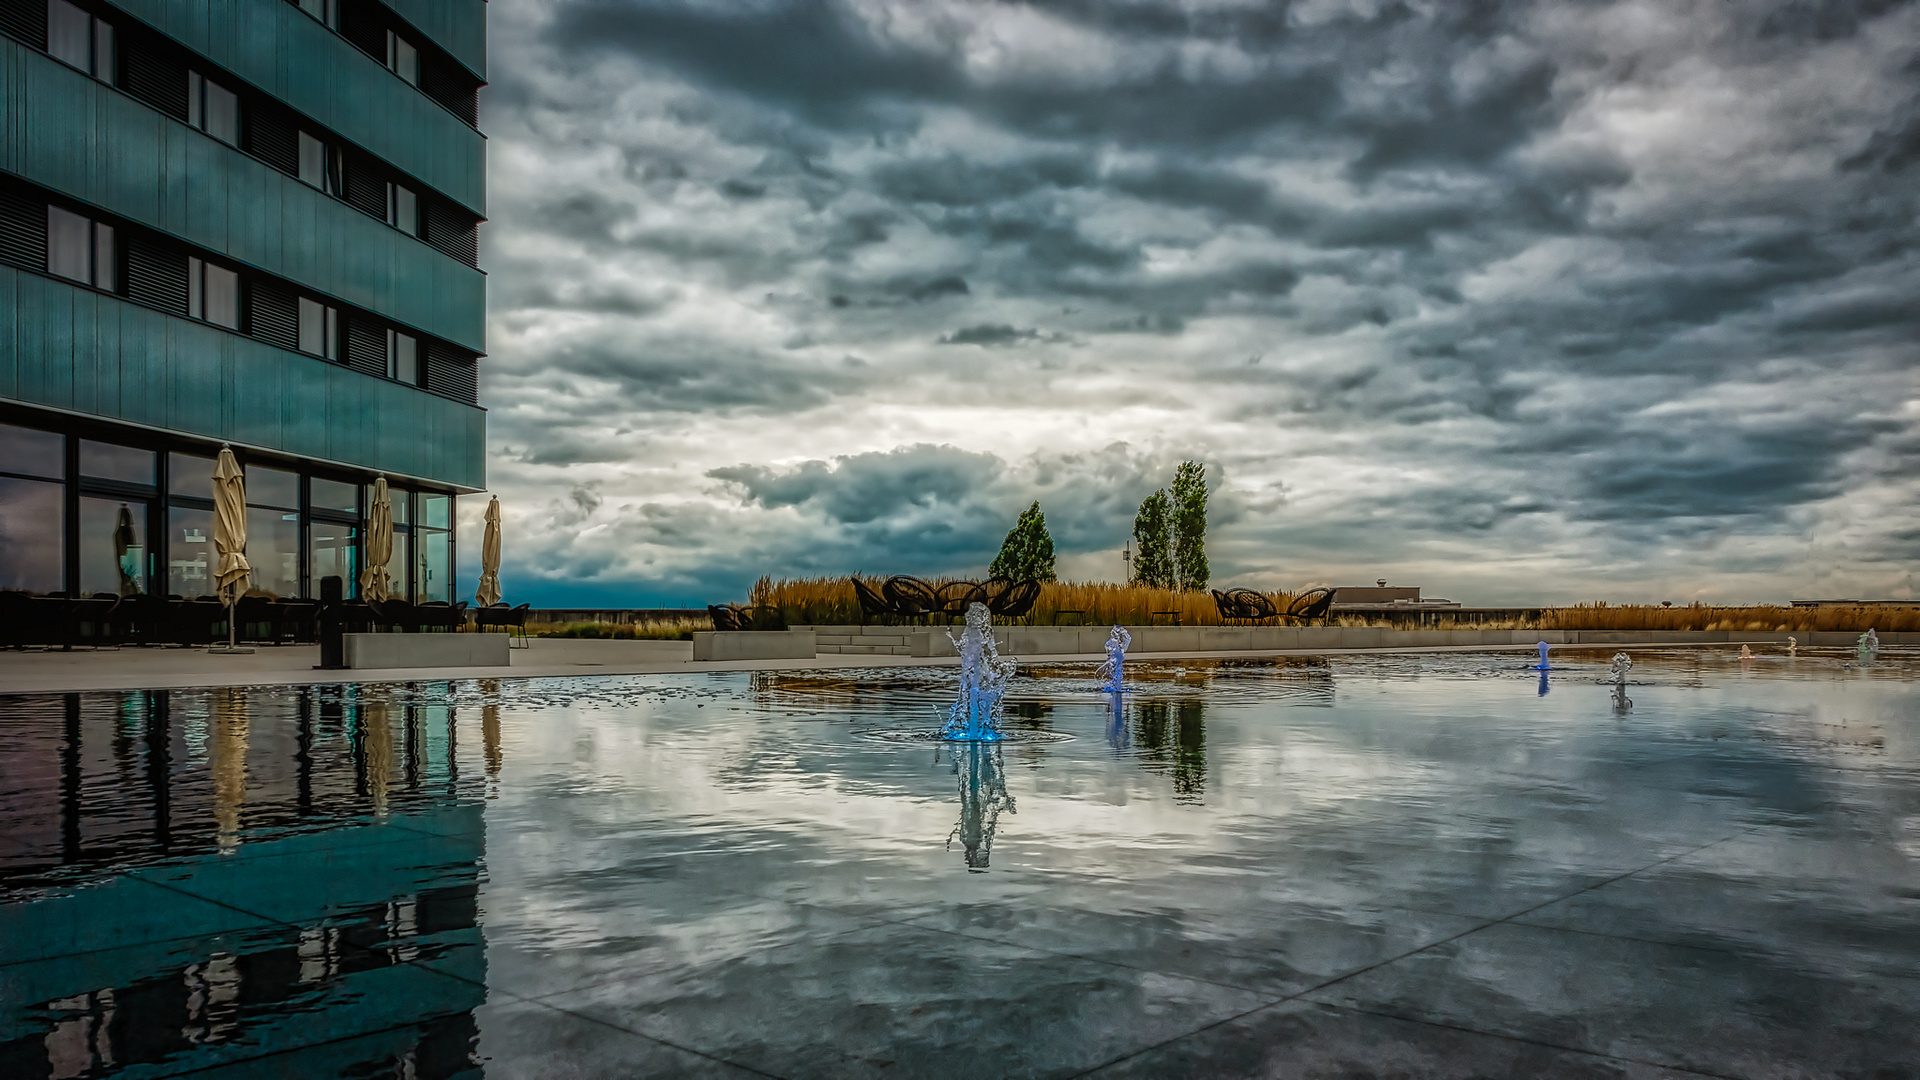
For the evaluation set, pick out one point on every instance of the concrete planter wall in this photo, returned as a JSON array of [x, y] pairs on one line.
[[755, 645], [426, 650]]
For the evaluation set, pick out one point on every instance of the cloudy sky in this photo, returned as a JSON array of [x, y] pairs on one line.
[[1519, 302]]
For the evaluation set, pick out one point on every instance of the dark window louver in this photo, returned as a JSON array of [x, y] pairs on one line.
[[361, 24], [367, 347], [23, 228], [366, 185], [25, 20], [273, 136], [274, 314], [154, 73], [446, 83], [156, 274], [452, 373], [453, 232]]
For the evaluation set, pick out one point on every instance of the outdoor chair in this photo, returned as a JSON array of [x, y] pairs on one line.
[[21, 620], [872, 604], [1016, 602], [955, 597], [910, 597], [512, 619], [297, 621], [439, 615], [393, 616], [729, 617], [1310, 605], [1244, 606], [257, 621]]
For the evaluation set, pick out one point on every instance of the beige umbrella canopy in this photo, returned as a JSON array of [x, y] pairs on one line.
[[231, 570], [376, 584], [489, 591], [230, 529]]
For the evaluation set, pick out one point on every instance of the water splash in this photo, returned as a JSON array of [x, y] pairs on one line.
[[1543, 665], [984, 673], [1793, 647], [1622, 663], [1868, 647], [1746, 653], [1111, 671]]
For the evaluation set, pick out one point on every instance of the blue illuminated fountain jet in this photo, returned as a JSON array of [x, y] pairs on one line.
[[975, 714], [1111, 671]]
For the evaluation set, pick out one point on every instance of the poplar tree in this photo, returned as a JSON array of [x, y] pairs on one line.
[[1189, 498], [1027, 552], [1153, 564]]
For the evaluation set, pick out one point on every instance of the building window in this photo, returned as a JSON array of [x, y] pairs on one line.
[[213, 109], [213, 293], [402, 58], [403, 209], [326, 11], [403, 358], [77, 38], [81, 249], [333, 550], [273, 531], [319, 164], [33, 518], [319, 329], [113, 546]]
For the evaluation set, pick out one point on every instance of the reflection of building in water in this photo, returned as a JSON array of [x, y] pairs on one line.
[[1173, 736], [244, 804], [983, 795]]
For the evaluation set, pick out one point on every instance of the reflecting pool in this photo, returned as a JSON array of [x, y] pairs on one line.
[[1415, 865]]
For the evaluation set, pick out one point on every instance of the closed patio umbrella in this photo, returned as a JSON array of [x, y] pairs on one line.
[[376, 584], [231, 569], [489, 591]]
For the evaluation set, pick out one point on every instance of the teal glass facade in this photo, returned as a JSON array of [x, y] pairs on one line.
[[241, 222]]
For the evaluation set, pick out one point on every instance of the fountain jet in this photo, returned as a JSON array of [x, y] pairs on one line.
[[984, 674]]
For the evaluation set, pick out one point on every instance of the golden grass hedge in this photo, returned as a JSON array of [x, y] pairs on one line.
[[830, 601]]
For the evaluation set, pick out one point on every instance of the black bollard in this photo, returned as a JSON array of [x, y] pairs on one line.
[[333, 624]]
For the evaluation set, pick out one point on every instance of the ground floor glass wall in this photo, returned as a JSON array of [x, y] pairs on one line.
[[82, 514]]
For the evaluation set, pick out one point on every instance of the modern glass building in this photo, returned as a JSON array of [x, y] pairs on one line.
[[242, 222]]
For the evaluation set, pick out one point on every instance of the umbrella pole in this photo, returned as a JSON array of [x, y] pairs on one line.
[[230, 648]]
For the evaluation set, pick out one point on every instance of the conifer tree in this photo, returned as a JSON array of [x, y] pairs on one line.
[[1189, 499], [1153, 562], [1027, 552]]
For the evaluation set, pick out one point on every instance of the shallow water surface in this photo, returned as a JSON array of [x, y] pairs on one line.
[[1413, 865]]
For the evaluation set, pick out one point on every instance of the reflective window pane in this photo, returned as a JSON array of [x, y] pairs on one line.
[[436, 511], [105, 461], [273, 550], [190, 552], [223, 297], [70, 34], [223, 114], [190, 475], [332, 550], [113, 547], [32, 452], [334, 495], [272, 487], [313, 161], [397, 566], [33, 537], [104, 259], [431, 579], [69, 245]]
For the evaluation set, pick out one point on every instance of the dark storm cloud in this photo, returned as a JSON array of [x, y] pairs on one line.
[[862, 487], [1595, 281]]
